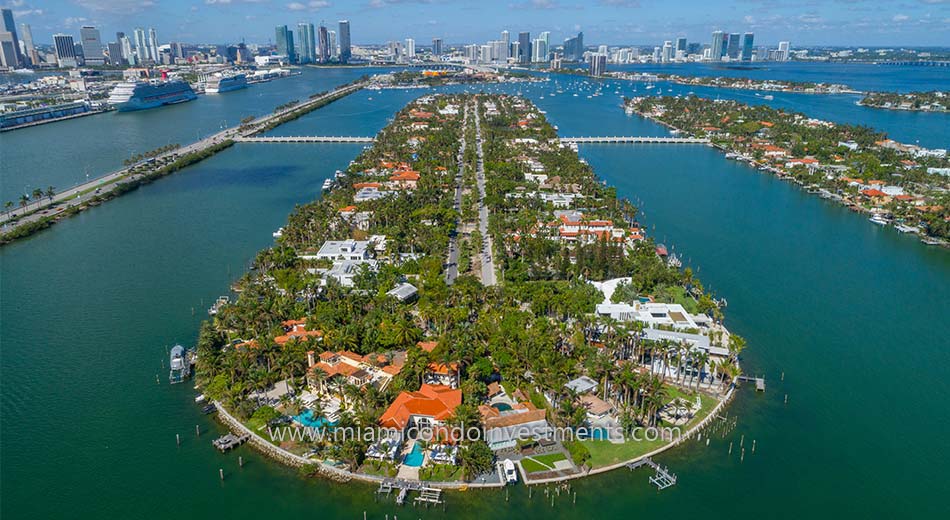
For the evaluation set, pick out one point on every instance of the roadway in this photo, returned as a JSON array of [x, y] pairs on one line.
[[452, 264], [488, 263], [82, 193]]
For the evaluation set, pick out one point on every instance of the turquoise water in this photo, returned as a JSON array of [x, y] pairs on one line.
[[415, 457], [501, 407], [306, 418], [852, 314]]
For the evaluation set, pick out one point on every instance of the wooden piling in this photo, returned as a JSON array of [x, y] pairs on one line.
[[197, 431], [221, 473], [730, 448], [241, 462], [178, 439], [753, 445]]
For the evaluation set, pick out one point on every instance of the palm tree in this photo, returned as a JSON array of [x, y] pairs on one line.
[[24, 200], [50, 192], [8, 205]]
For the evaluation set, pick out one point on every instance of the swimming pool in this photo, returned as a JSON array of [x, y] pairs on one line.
[[415, 457], [306, 418], [501, 407]]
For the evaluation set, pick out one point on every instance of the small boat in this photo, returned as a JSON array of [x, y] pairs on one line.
[[879, 220], [200, 398], [209, 409], [661, 250], [179, 365], [904, 228], [769, 97], [279, 233], [931, 241], [511, 475], [327, 185]]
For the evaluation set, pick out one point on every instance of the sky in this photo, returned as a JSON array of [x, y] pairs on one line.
[[612, 22]]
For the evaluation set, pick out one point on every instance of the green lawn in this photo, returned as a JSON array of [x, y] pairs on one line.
[[541, 462], [440, 473]]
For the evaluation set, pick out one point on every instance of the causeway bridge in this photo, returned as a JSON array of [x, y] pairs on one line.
[[304, 139], [636, 139]]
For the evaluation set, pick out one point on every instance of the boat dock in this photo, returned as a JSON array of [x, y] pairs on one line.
[[759, 382], [427, 495], [229, 441], [662, 479]]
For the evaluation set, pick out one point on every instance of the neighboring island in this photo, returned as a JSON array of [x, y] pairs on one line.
[[800, 87], [933, 101], [467, 270], [904, 185]]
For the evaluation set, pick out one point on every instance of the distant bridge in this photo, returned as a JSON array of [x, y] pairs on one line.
[[304, 139], [636, 139]]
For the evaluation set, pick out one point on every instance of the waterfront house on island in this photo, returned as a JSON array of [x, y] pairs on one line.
[[431, 405], [297, 329]]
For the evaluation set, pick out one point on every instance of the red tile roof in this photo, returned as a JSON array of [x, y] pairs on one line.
[[435, 401]]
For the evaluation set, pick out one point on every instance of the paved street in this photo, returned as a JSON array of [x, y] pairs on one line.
[[488, 263]]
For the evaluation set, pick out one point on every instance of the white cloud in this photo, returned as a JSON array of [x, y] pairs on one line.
[[312, 5], [115, 6], [900, 18]]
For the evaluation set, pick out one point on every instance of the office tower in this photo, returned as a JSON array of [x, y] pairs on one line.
[[344, 41], [580, 46], [285, 43], [27, 34], [13, 40], [539, 48], [747, 44], [323, 44], [783, 51], [734, 47], [574, 48], [307, 52], [598, 64], [524, 47], [436, 46], [334, 48], [657, 54], [515, 50], [506, 37], [153, 45], [485, 53], [91, 45], [8, 55], [716, 47], [410, 48], [667, 55], [141, 45], [65, 50], [681, 45], [115, 53]]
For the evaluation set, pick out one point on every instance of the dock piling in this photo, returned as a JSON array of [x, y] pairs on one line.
[[197, 431], [753, 445], [221, 473], [178, 439], [241, 461], [730, 448]]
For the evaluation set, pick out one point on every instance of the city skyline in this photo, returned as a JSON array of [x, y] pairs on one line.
[[611, 22]]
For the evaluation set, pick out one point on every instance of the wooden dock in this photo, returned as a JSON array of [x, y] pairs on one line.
[[427, 495], [759, 382]]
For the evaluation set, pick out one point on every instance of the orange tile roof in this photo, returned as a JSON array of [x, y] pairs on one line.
[[435, 401], [348, 209], [428, 346], [446, 369], [408, 175], [873, 193], [360, 185]]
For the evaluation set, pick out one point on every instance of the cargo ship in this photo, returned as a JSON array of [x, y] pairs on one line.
[[141, 95], [225, 83]]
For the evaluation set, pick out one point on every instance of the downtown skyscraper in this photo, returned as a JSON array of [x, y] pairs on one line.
[[306, 41], [9, 41], [91, 45], [285, 43], [344, 41]]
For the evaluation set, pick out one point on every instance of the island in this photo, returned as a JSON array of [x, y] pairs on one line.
[[467, 305], [771, 85], [900, 184], [933, 101]]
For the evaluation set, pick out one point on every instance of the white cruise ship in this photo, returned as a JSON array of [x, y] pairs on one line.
[[140, 95], [225, 83]]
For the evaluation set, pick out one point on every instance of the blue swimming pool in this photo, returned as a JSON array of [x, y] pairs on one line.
[[415, 457], [307, 419], [501, 407]]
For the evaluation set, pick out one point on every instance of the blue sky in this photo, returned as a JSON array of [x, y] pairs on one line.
[[645, 22]]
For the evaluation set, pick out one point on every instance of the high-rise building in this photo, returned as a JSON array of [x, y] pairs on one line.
[[485, 54], [306, 43], [540, 48], [506, 37], [733, 50], [471, 53], [747, 45], [9, 26], [410, 48], [681, 45], [524, 47], [334, 48], [141, 46], [667, 55], [153, 45], [437, 46], [115, 53], [27, 33], [127, 53], [65, 50], [598, 64], [574, 48], [515, 50], [323, 44], [91, 45], [285, 43], [784, 49], [8, 55], [344, 41], [716, 47]]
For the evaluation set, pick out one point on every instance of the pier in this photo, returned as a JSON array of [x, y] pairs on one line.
[[229, 442], [304, 139], [427, 495], [634, 140], [759, 382], [662, 479]]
